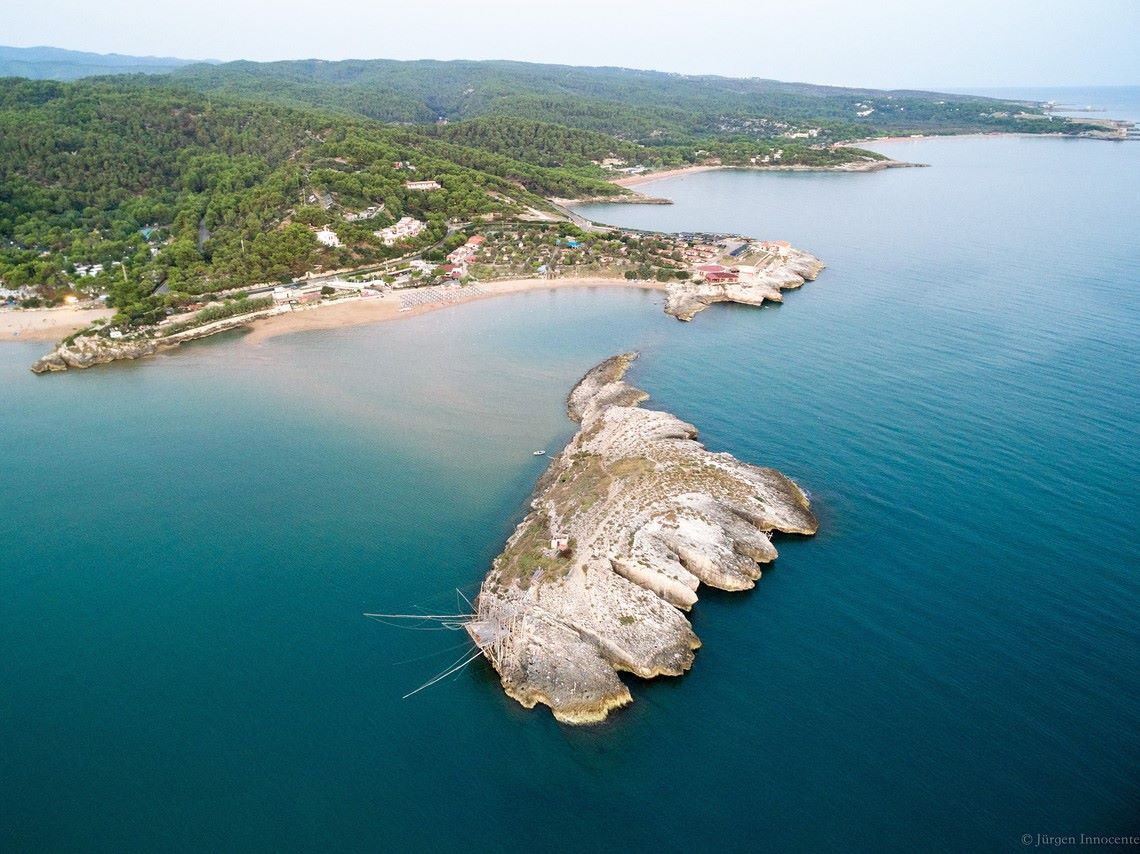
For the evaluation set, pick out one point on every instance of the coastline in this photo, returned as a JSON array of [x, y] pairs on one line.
[[779, 269], [47, 324], [359, 312], [989, 134], [748, 286], [861, 166], [54, 324]]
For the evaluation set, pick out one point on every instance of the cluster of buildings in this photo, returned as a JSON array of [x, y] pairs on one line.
[[456, 266], [406, 228], [700, 252], [774, 157], [716, 274]]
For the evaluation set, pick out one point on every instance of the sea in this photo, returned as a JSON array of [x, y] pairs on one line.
[[188, 545]]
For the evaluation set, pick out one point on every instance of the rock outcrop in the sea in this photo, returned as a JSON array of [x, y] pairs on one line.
[[86, 351], [685, 299], [626, 523]]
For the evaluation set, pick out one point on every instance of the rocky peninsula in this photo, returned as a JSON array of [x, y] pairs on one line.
[[743, 284], [625, 525], [84, 351]]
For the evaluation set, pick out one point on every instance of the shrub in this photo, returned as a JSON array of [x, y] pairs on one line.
[[220, 312]]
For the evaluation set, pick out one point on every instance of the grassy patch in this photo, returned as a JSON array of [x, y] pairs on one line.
[[529, 555]]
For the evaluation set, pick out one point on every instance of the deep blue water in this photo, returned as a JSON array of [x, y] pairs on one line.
[[953, 662]]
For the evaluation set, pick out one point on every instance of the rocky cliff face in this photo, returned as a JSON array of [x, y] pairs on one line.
[[626, 524], [685, 299], [93, 350]]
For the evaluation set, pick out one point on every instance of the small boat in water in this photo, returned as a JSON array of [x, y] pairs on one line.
[[539, 453]]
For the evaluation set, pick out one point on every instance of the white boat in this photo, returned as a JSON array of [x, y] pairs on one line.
[[539, 453]]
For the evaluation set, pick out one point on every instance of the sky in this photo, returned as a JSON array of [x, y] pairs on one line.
[[876, 43]]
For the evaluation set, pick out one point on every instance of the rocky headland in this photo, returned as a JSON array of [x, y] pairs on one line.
[[626, 524], [85, 351], [753, 287]]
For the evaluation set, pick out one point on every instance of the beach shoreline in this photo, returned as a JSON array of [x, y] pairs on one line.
[[53, 324], [648, 177], [47, 324], [363, 311]]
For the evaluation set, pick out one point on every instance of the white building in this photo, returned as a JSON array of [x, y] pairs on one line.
[[328, 237], [402, 230], [422, 185]]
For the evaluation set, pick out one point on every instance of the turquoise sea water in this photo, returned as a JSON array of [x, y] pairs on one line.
[[953, 662]]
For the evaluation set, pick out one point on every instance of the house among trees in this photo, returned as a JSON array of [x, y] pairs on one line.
[[467, 251], [328, 237], [422, 185]]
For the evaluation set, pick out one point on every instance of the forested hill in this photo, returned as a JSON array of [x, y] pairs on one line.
[[155, 187], [53, 63], [199, 192], [644, 106]]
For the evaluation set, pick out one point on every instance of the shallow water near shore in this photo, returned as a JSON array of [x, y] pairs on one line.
[[953, 662]]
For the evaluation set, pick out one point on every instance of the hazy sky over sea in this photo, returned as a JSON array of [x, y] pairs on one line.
[[882, 43]]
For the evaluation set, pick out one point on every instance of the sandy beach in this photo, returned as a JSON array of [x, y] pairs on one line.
[[646, 177], [355, 312], [46, 324]]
